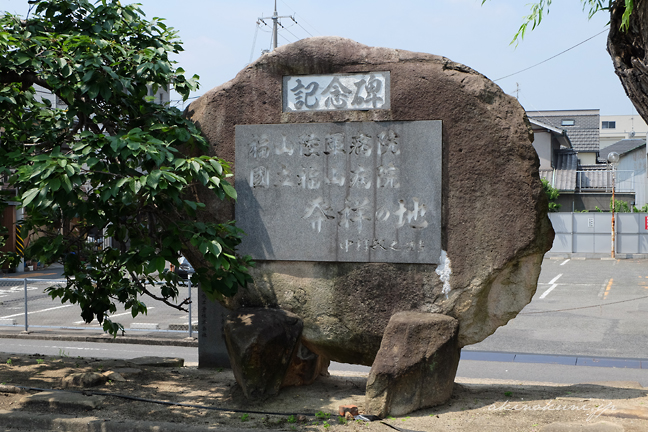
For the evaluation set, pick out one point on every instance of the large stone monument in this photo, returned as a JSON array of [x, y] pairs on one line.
[[374, 181]]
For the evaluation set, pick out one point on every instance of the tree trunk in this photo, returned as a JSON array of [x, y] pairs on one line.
[[628, 50]]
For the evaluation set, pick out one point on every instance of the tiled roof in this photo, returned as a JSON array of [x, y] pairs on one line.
[[584, 134], [622, 147], [566, 166]]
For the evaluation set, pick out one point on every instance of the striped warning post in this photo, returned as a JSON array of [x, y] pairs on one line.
[[20, 244]]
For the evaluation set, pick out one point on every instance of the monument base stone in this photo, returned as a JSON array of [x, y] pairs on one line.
[[415, 366]]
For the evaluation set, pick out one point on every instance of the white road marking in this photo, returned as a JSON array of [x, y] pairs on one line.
[[33, 312], [544, 294], [602, 291], [553, 281], [565, 262], [112, 316]]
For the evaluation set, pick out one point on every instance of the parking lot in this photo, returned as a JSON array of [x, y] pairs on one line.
[[596, 307]]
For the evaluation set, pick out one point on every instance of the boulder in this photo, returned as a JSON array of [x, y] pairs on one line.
[[83, 379], [305, 367], [494, 224], [261, 343], [415, 366]]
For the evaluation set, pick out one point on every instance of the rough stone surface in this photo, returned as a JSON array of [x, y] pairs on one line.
[[261, 343], [494, 224], [114, 376], [84, 379], [158, 361], [305, 367], [61, 400], [415, 366]]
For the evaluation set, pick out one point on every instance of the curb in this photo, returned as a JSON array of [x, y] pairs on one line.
[[18, 420], [105, 339]]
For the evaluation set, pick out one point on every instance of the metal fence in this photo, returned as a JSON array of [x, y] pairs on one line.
[[25, 304], [591, 233], [601, 180]]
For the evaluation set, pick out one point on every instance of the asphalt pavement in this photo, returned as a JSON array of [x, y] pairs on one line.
[[586, 323]]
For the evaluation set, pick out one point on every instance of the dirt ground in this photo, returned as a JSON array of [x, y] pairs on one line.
[[476, 405]]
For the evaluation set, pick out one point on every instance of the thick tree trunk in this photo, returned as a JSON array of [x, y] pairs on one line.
[[629, 52]]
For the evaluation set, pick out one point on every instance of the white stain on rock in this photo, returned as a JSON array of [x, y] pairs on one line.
[[444, 271]]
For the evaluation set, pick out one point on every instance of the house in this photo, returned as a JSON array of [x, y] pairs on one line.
[[582, 127], [615, 128], [580, 171]]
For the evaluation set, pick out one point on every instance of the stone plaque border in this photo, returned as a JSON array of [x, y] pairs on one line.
[[340, 192], [359, 85]]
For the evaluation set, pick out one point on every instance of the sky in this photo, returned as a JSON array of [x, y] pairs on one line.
[[220, 37]]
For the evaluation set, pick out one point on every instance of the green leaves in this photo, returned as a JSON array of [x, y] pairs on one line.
[[107, 163], [540, 9]]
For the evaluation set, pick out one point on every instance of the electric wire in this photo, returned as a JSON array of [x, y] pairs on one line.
[[550, 58], [583, 307], [303, 28], [301, 19], [256, 32], [286, 28]]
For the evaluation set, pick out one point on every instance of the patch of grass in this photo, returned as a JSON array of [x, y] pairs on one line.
[[342, 420], [326, 425], [62, 353], [404, 419], [321, 415], [9, 362], [40, 361], [292, 419], [508, 393], [245, 417]]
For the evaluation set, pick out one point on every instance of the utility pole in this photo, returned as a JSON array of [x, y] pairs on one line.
[[275, 23]]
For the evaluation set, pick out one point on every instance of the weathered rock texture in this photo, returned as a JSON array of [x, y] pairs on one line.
[[495, 227], [261, 344], [415, 366], [305, 367]]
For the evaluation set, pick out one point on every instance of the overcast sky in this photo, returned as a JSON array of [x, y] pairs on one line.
[[218, 38]]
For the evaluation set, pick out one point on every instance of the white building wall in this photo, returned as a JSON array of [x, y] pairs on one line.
[[625, 126], [542, 146], [636, 161]]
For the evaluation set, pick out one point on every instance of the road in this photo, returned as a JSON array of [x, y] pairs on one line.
[[45, 312], [584, 309]]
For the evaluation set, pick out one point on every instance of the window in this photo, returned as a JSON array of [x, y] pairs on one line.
[[608, 125], [568, 122]]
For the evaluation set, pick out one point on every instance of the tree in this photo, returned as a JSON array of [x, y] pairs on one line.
[[552, 195], [110, 161], [627, 41]]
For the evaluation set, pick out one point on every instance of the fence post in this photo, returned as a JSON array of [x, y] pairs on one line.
[[190, 326], [26, 323]]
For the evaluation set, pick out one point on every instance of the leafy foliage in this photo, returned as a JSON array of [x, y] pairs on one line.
[[552, 194], [540, 9], [108, 162], [619, 206]]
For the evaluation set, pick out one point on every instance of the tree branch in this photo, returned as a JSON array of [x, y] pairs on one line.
[[24, 78]]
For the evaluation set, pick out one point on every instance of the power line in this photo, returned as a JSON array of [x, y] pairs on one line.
[[583, 307], [256, 31], [301, 19], [552, 57], [303, 28]]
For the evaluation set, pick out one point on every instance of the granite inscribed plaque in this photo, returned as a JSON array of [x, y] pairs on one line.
[[336, 92], [352, 192]]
